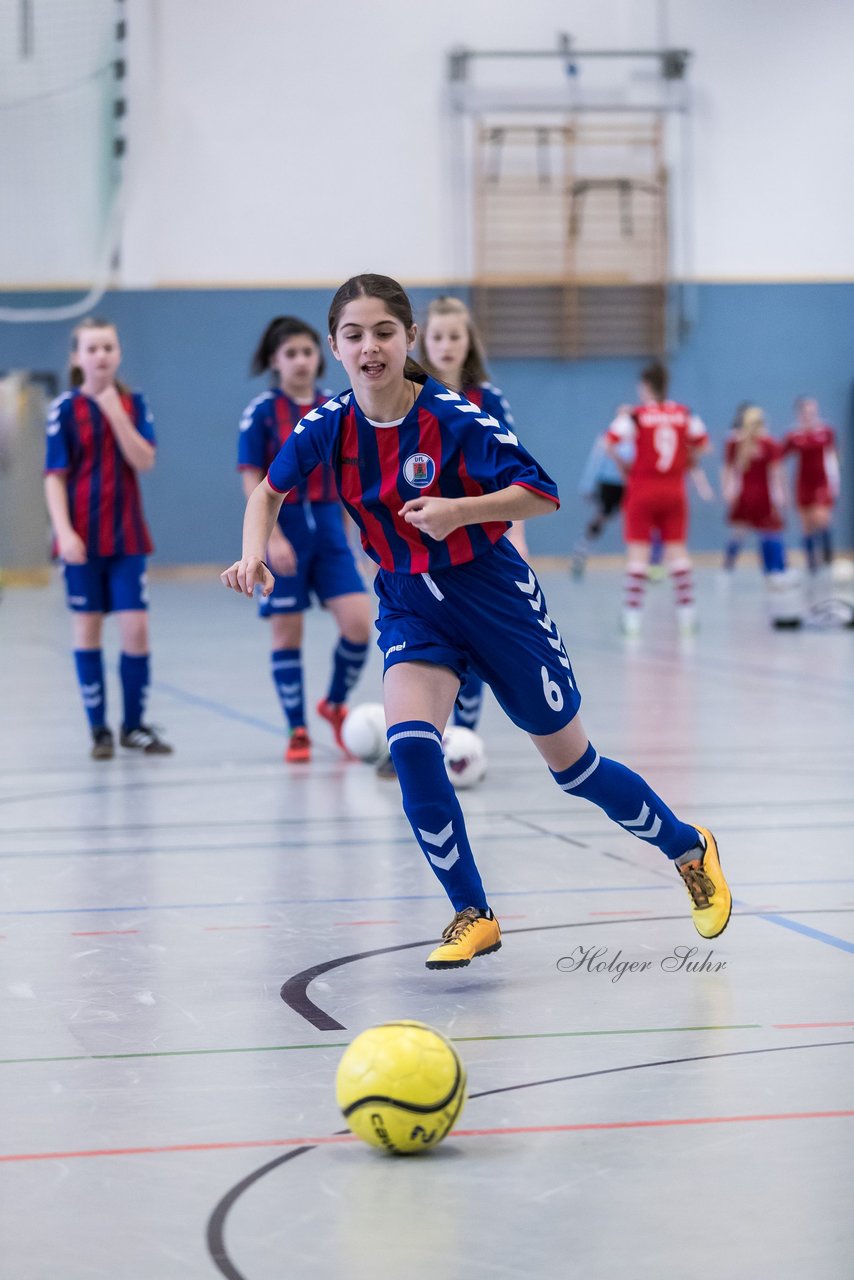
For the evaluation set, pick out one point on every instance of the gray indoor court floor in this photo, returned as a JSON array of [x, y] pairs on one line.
[[187, 945]]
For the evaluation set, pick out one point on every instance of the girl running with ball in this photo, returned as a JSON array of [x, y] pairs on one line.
[[433, 483]]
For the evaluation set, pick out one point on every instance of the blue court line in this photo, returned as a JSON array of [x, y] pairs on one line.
[[266, 846], [403, 897], [828, 938], [291, 822], [227, 712], [771, 884], [298, 902], [816, 934]]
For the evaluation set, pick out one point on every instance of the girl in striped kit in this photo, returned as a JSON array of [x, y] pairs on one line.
[[100, 436], [452, 352], [308, 549], [433, 483]]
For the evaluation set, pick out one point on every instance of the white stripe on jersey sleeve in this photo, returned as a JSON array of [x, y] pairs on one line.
[[502, 400], [249, 411], [53, 423], [623, 427]]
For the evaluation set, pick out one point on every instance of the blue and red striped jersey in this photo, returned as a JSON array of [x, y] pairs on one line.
[[446, 447], [492, 400], [265, 426], [103, 490]]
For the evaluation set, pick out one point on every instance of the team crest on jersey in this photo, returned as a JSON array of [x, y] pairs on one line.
[[419, 470]]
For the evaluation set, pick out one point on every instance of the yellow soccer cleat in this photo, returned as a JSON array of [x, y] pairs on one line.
[[711, 900], [468, 935]]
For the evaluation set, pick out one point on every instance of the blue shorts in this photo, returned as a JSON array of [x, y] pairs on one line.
[[325, 564], [107, 584], [488, 616]]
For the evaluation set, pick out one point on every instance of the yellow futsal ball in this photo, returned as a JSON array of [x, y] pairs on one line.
[[401, 1086]]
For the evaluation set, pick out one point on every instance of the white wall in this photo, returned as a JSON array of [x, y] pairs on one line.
[[774, 109], [56, 96], [287, 141]]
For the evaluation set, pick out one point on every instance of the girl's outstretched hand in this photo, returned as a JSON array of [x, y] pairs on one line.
[[247, 574], [437, 517]]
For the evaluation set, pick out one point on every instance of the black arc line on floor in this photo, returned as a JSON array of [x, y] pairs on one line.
[[294, 991], [215, 1234]]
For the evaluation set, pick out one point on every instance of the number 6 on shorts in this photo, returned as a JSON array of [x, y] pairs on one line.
[[551, 690]]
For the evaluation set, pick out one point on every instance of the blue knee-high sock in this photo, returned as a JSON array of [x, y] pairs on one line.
[[773, 555], [825, 543], [469, 703], [347, 662], [431, 805], [90, 677], [731, 553], [286, 668], [811, 551], [134, 673], [629, 801]]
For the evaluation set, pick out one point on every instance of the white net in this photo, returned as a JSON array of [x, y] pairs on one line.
[[61, 140]]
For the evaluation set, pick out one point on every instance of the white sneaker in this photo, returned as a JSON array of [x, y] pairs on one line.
[[785, 599], [842, 570], [630, 623], [686, 616]]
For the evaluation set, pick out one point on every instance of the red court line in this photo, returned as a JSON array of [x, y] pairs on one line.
[[101, 933], [789, 1026], [231, 928], [654, 1124], [351, 922], [618, 913], [337, 1139]]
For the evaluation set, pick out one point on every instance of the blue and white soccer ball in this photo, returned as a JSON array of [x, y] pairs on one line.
[[465, 756]]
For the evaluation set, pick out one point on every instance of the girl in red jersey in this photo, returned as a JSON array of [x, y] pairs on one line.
[[308, 551], [99, 436], [754, 491], [817, 486], [668, 439], [433, 483]]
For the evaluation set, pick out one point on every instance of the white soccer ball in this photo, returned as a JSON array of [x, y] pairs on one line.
[[465, 756], [363, 732], [842, 571]]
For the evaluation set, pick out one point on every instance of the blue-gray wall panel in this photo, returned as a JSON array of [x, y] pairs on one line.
[[189, 351]]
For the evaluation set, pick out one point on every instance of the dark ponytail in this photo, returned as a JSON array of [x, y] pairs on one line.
[[656, 378]]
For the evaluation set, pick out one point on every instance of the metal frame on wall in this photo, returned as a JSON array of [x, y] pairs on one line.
[[565, 221]]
